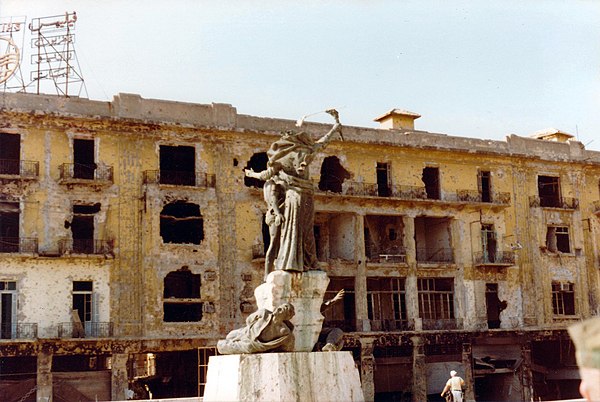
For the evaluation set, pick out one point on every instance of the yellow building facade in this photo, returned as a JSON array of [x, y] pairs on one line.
[[131, 241]]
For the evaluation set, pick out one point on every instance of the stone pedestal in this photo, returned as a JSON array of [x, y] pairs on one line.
[[305, 291], [300, 376]]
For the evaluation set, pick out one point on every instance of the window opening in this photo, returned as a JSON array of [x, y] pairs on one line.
[[333, 175], [258, 163], [82, 228], [493, 305], [433, 240], [10, 153], [181, 222], [8, 310], [386, 303], [485, 186], [9, 227], [177, 165], [549, 191], [342, 314], [203, 356], [181, 296], [431, 178], [557, 239], [489, 243], [436, 299], [384, 179], [563, 298], [83, 308], [83, 159], [383, 239]]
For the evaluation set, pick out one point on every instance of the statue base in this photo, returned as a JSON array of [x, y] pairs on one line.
[[301, 376], [305, 291]]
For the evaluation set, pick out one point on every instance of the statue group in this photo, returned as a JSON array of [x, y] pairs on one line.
[[289, 195]]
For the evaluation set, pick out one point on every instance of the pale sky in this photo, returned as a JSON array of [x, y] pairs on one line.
[[477, 68]]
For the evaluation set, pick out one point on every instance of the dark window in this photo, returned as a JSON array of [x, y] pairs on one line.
[[431, 178], [436, 299], [258, 163], [82, 228], [83, 159], [182, 297], [181, 222], [333, 175], [10, 153], [485, 186], [557, 239], [178, 165], [489, 243], [9, 227], [386, 303], [563, 298], [493, 305], [343, 313], [383, 179], [549, 191]]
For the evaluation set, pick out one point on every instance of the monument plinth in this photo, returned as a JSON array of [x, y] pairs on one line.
[[303, 376]]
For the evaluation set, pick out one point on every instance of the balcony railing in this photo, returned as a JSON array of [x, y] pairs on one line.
[[23, 169], [179, 178], [435, 256], [395, 255], [18, 245], [87, 329], [505, 257], [553, 202], [85, 246], [344, 325], [392, 325], [22, 330], [440, 324], [89, 172], [476, 196], [258, 251]]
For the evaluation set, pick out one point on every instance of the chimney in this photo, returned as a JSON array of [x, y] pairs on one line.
[[552, 134], [397, 119]]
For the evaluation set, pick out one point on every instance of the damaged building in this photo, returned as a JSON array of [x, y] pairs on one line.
[[131, 241]]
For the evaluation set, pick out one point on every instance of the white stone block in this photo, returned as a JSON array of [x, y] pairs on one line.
[[300, 376]]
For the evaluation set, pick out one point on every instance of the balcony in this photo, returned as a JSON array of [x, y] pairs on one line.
[[23, 330], [179, 178], [85, 330], [438, 255], [554, 202], [71, 173], [23, 245], [395, 255], [504, 258], [19, 169], [85, 246], [344, 325], [476, 196], [441, 324], [392, 325]]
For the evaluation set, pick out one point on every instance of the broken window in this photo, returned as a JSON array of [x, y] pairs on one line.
[[83, 158], [333, 175], [9, 227], [484, 182], [258, 163], [494, 305], [181, 222], [181, 296], [82, 228], [436, 299], [10, 153], [433, 240], [8, 310], [177, 165], [384, 179], [488, 243], [85, 311], [563, 298], [386, 304], [557, 239], [431, 179], [549, 191], [341, 314], [383, 239], [334, 236]]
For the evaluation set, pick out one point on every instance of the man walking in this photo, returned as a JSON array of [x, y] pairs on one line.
[[455, 384]]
